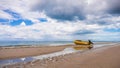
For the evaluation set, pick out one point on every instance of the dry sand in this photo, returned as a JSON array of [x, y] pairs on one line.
[[104, 57], [25, 51]]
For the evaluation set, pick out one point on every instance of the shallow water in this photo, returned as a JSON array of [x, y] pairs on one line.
[[65, 51], [16, 60]]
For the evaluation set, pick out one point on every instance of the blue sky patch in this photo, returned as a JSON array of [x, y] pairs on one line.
[[112, 30], [4, 20], [18, 22], [43, 20], [14, 14]]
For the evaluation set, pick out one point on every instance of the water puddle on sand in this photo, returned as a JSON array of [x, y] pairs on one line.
[[16, 60], [65, 51]]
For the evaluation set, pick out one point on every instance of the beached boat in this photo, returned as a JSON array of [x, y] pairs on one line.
[[83, 44]]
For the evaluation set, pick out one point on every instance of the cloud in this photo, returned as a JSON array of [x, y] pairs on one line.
[[4, 15], [23, 24], [61, 9], [59, 19], [19, 9], [105, 36], [84, 32], [12, 13], [50, 30], [103, 7], [113, 6], [77, 9], [55, 30]]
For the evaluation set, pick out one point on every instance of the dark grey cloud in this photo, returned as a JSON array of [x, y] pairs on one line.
[[62, 9], [77, 9], [113, 6], [100, 21], [83, 32]]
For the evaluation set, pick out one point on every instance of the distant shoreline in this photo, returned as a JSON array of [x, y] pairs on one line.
[[29, 43], [42, 43]]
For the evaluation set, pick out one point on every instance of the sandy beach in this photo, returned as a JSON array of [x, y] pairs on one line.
[[25, 51], [102, 57]]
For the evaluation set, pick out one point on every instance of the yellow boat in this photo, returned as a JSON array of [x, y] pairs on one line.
[[83, 44]]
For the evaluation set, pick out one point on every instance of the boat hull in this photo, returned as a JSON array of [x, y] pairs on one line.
[[77, 42], [80, 45]]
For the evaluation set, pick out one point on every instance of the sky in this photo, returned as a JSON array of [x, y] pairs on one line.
[[61, 20]]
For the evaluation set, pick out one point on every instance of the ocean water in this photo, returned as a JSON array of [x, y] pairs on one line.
[[40, 43]]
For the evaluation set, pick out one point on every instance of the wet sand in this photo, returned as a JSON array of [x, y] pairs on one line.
[[25, 51]]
